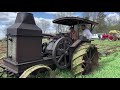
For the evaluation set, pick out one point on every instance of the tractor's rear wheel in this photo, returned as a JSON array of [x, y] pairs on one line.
[[84, 59]]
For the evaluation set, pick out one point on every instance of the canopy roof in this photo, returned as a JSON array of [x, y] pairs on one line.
[[73, 21]]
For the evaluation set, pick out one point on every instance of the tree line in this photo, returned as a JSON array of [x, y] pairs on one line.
[[105, 23]]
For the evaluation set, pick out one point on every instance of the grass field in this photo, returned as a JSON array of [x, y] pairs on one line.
[[109, 65]]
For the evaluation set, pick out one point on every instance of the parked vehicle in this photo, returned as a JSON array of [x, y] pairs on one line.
[[95, 36]]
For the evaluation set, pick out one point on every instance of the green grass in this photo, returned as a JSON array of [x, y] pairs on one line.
[[109, 66], [104, 45]]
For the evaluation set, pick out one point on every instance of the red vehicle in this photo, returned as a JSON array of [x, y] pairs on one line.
[[105, 36], [108, 36]]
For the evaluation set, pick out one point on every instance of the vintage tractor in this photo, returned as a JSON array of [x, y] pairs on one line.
[[27, 54], [113, 35]]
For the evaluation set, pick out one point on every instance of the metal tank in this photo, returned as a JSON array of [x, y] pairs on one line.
[[24, 43]]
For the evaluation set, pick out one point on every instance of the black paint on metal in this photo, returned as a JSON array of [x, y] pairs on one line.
[[73, 21], [28, 38]]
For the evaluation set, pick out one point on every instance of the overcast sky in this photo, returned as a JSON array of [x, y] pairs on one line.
[[8, 18]]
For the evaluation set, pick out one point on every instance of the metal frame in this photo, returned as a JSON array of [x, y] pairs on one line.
[[28, 29], [72, 21]]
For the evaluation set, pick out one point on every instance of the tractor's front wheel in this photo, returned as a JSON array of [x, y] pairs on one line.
[[33, 71], [84, 59]]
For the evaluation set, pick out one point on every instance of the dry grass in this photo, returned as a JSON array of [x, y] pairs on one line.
[[3, 48]]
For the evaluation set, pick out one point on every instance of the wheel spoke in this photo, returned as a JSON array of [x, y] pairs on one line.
[[83, 65], [92, 56], [65, 60], [88, 67], [87, 60], [90, 53], [60, 50], [87, 57], [60, 58], [64, 47]]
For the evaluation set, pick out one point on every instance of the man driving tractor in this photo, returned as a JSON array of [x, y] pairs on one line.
[[73, 34], [86, 32]]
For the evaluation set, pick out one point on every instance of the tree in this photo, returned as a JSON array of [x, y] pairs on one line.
[[101, 27], [90, 15], [62, 28], [93, 16], [118, 25], [44, 25], [113, 21], [109, 21], [119, 17], [86, 15]]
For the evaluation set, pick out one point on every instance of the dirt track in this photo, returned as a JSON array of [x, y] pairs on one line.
[[3, 50], [109, 50], [2, 47]]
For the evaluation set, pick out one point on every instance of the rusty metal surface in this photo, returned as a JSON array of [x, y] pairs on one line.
[[24, 26], [24, 43], [25, 18], [29, 49], [19, 68], [75, 44], [61, 50]]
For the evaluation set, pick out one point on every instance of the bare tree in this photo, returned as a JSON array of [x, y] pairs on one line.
[[108, 21], [113, 22], [90, 15], [119, 17], [44, 25], [118, 25], [93, 16], [101, 27], [62, 28], [86, 15]]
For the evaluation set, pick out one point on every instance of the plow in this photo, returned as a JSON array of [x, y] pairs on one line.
[[27, 55]]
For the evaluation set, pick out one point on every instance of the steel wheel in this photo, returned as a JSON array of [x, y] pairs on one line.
[[60, 53], [90, 60], [30, 72], [85, 59]]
